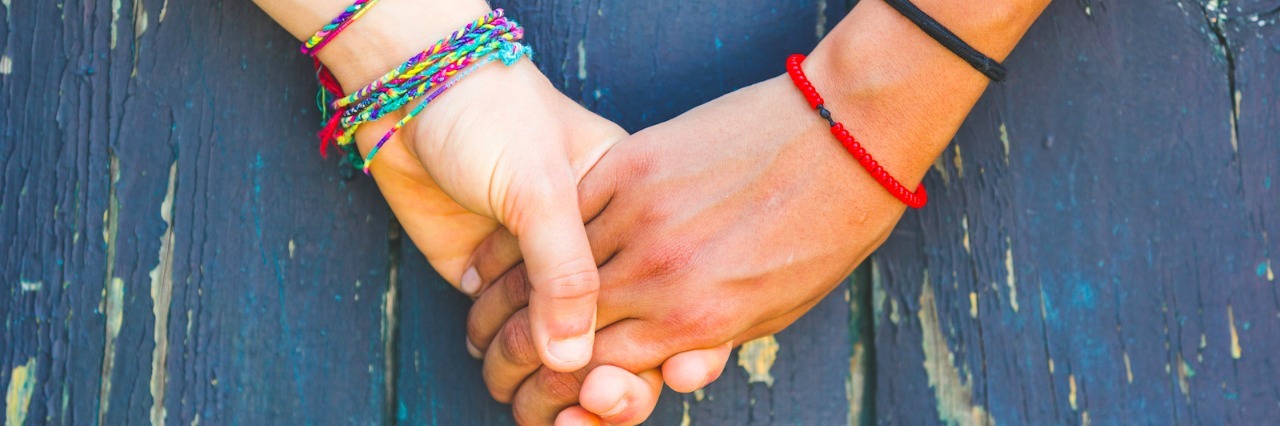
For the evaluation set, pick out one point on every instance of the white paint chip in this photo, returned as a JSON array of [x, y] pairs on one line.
[[6, 65], [30, 286], [582, 60]]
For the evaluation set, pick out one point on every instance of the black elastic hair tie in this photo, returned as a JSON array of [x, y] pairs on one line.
[[982, 63]]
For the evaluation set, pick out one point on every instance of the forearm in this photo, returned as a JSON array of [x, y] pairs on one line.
[[902, 94], [384, 37]]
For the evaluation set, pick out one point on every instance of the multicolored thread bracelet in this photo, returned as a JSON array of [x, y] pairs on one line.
[[329, 87], [914, 200], [330, 31], [424, 76]]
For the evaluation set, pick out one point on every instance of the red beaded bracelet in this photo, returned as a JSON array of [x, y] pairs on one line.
[[914, 200]]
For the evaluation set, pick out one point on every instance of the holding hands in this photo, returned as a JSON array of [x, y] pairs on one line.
[[605, 265]]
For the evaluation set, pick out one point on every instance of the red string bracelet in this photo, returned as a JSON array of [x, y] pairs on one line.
[[914, 200]]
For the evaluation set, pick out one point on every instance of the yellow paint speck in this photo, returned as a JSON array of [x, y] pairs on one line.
[[964, 224], [1071, 381], [959, 163], [757, 357], [22, 383], [1235, 337], [973, 305], [1050, 365], [685, 420], [291, 248], [699, 395]]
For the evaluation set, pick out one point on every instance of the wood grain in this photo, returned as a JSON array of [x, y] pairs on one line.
[[1097, 250]]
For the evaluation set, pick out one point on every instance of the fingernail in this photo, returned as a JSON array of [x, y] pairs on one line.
[[475, 352], [470, 281], [617, 409], [570, 351]]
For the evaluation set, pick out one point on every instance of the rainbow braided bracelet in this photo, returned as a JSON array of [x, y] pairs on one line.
[[424, 76]]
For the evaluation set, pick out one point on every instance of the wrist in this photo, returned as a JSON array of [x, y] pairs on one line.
[[901, 93], [390, 33]]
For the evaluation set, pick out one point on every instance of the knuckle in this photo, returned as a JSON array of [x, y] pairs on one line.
[[480, 331], [698, 326], [497, 393], [668, 260], [576, 284], [560, 387], [515, 287], [517, 342]]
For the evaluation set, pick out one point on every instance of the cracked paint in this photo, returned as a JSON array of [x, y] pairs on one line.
[[30, 286], [953, 396], [22, 383], [115, 17], [1071, 397], [1235, 336], [820, 29], [973, 305], [114, 311], [1128, 368], [757, 357], [1010, 280], [958, 162], [1004, 139], [582, 60], [112, 300], [161, 298]]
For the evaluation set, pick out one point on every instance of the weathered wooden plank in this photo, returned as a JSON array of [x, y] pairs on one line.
[[641, 63], [800, 376], [1096, 248], [221, 271], [54, 195], [437, 382], [259, 272]]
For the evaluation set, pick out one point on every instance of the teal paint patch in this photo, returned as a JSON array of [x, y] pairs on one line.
[[1083, 296], [1262, 269]]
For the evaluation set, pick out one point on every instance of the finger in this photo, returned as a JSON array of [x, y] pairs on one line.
[[577, 416], [620, 397], [500, 251], [509, 362], [511, 293], [562, 272], [495, 306], [689, 371], [628, 345], [496, 255]]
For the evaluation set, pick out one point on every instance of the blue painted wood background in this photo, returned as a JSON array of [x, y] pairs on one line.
[[1097, 251]]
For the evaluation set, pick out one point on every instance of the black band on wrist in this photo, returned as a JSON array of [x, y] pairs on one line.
[[982, 63]]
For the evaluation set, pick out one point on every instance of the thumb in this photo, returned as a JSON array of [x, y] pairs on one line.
[[563, 277]]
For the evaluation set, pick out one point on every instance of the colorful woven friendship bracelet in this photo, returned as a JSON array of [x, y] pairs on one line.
[[429, 73], [330, 31], [914, 200], [330, 88]]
